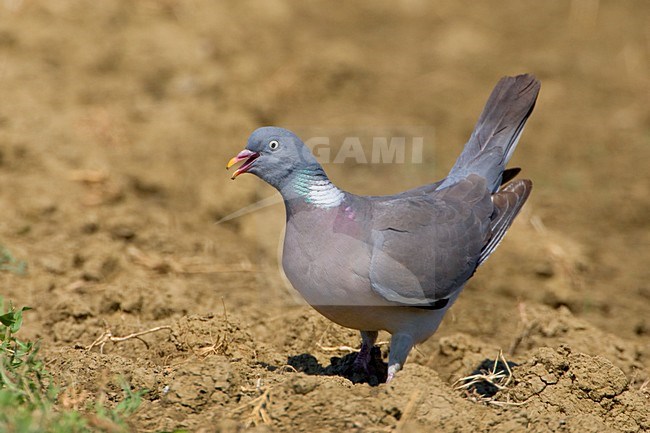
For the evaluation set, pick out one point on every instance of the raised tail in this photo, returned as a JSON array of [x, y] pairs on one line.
[[497, 131]]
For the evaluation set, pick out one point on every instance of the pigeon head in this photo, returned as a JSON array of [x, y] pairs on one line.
[[274, 155]]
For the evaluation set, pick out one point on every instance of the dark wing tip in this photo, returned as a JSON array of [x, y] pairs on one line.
[[509, 174]]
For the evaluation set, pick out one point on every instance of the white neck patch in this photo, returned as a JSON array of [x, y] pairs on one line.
[[318, 190], [323, 193]]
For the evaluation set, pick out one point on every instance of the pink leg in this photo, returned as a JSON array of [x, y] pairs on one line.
[[400, 346], [362, 362]]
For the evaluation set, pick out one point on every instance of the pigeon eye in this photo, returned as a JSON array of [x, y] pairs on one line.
[[274, 144]]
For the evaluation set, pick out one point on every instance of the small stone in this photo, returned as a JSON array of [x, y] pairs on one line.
[[123, 232], [545, 270], [53, 265], [549, 378], [303, 385], [642, 328], [90, 227], [100, 270]]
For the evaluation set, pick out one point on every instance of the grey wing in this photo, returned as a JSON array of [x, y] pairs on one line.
[[425, 248], [507, 176]]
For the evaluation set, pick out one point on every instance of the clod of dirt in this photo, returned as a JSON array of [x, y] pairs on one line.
[[94, 372], [459, 354], [578, 391], [547, 327], [303, 385], [205, 335], [97, 268], [122, 232], [55, 265], [197, 384]]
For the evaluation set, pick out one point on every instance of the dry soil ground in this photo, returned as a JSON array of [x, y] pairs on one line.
[[116, 121]]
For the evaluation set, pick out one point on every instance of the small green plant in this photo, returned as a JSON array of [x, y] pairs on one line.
[[21, 373], [125, 408], [9, 263], [28, 397]]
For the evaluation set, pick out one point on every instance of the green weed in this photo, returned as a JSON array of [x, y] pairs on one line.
[[9, 263], [28, 396]]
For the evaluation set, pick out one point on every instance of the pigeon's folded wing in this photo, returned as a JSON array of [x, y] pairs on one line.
[[425, 248]]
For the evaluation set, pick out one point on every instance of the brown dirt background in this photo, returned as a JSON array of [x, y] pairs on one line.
[[117, 118]]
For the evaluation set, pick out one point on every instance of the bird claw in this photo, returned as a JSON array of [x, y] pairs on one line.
[[392, 370]]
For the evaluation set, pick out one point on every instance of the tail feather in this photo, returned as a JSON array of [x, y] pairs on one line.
[[507, 204], [497, 131]]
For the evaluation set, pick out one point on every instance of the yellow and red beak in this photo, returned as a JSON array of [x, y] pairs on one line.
[[247, 155]]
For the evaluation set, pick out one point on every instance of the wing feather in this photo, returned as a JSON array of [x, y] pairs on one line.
[[424, 248]]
